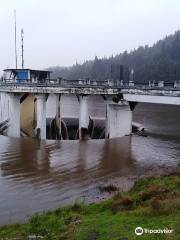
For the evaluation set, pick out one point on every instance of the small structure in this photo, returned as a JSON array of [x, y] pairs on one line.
[[151, 83], [160, 83], [26, 76], [176, 84]]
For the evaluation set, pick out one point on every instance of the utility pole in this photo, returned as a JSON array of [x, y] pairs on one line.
[[22, 47]]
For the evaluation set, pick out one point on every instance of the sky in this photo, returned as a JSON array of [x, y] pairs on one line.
[[61, 32]]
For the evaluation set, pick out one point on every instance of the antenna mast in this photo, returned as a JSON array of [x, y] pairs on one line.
[[22, 47], [15, 38]]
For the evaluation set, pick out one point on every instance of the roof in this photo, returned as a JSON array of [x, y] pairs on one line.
[[25, 69]]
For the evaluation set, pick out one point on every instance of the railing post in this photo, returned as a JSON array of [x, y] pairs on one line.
[[41, 116], [83, 117]]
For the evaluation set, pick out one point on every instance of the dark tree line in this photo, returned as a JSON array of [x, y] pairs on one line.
[[158, 62]]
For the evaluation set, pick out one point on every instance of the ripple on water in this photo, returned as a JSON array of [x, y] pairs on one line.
[[36, 176]]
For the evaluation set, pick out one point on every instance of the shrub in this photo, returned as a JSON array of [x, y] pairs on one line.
[[168, 206], [123, 203], [153, 191]]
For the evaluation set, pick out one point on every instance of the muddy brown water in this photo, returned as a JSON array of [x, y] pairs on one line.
[[37, 176]]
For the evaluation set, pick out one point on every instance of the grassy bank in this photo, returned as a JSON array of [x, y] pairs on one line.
[[152, 203]]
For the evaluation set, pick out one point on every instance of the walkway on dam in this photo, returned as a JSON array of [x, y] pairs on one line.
[[93, 87]]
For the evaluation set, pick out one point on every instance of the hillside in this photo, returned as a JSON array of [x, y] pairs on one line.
[[158, 62]]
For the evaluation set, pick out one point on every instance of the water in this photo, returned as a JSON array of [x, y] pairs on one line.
[[36, 176]]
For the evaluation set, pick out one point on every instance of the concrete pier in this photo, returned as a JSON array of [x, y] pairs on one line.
[[118, 120], [83, 116], [41, 116], [14, 115], [58, 115], [4, 110]]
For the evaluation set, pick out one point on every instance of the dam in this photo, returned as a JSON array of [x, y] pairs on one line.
[[119, 98], [49, 174]]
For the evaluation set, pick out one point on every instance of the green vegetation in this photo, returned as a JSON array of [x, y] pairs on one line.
[[160, 62], [152, 203]]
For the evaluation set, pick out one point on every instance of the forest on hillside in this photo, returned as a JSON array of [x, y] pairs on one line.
[[160, 62]]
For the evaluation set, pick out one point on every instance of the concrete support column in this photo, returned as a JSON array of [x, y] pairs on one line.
[[58, 115], [14, 115], [41, 116], [118, 120], [83, 117], [4, 106]]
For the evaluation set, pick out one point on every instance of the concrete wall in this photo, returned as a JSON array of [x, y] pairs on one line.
[[10, 110], [14, 115], [118, 120]]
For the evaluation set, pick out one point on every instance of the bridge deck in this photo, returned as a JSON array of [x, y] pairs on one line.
[[89, 89]]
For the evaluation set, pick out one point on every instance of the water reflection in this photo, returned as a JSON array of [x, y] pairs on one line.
[[45, 174], [27, 157], [61, 161]]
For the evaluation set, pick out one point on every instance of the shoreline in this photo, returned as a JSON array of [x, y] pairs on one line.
[[126, 183], [159, 186]]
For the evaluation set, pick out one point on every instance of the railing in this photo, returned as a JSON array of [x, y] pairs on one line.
[[84, 83]]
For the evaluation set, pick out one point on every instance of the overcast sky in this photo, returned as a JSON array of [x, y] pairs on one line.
[[57, 32]]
